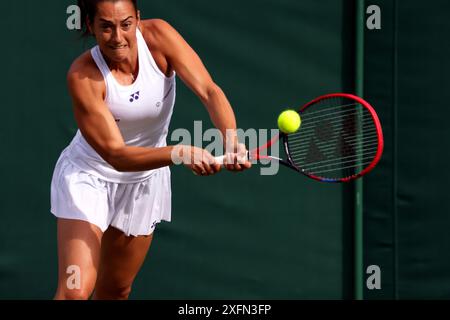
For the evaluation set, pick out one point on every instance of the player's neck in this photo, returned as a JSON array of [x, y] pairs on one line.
[[127, 66]]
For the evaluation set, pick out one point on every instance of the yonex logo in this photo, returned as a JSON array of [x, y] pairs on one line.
[[134, 96]]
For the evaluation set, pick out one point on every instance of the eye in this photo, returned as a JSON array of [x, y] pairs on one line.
[[105, 27], [127, 25]]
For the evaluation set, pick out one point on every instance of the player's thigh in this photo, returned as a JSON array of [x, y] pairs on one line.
[[79, 245], [121, 259]]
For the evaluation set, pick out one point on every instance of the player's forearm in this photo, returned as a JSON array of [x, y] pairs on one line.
[[222, 115], [132, 159]]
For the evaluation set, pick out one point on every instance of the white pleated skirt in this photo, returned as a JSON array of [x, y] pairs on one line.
[[134, 208]]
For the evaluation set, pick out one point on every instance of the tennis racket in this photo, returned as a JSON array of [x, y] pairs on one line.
[[340, 139]]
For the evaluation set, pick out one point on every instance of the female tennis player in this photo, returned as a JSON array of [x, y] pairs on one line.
[[111, 185]]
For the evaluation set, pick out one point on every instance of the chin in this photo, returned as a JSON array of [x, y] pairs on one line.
[[118, 56]]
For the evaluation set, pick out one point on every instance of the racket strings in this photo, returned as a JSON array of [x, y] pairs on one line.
[[312, 120], [305, 134], [356, 151], [332, 135], [365, 144], [333, 162], [330, 109], [349, 128], [331, 118], [338, 139], [321, 172]]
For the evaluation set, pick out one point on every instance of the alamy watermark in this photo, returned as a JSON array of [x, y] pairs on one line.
[[374, 280], [374, 20], [74, 279], [73, 21], [214, 139]]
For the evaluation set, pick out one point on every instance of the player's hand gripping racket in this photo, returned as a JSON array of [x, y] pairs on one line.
[[340, 140]]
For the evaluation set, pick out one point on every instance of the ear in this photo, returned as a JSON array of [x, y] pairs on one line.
[[89, 25], [138, 17]]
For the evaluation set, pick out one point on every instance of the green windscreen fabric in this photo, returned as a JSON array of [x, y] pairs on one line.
[[232, 236], [407, 212]]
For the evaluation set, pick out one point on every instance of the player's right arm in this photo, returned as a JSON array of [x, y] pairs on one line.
[[96, 123]]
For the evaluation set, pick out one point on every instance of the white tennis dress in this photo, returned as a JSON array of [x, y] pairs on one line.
[[85, 187]]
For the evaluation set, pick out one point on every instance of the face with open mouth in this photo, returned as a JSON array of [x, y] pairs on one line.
[[114, 28]]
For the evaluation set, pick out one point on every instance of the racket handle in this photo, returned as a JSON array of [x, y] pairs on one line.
[[220, 159]]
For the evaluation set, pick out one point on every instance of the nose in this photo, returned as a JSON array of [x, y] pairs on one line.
[[117, 36]]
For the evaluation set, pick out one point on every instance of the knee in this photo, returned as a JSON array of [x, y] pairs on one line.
[[112, 292], [121, 292], [81, 290], [73, 294]]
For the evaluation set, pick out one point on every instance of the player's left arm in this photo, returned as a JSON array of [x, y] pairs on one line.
[[189, 67]]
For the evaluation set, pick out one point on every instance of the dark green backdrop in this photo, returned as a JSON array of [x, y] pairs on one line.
[[233, 236], [407, 208]]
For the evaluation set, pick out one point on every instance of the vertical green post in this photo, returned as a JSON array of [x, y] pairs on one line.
[[358, 197]]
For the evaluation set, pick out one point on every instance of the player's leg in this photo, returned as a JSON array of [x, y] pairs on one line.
[[121, 259], [78, 258]]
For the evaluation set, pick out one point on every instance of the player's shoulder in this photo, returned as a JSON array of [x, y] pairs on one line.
[[155, 26], [156, 30], [84, 71]]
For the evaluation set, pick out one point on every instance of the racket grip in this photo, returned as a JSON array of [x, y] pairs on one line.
[[220, 159]]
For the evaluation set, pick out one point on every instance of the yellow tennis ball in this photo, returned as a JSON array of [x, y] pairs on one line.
[[289, 121]]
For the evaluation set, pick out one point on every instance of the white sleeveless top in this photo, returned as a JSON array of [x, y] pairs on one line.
[[142, 112]]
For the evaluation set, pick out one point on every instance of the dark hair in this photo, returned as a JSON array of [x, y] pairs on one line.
[[89, 10]]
